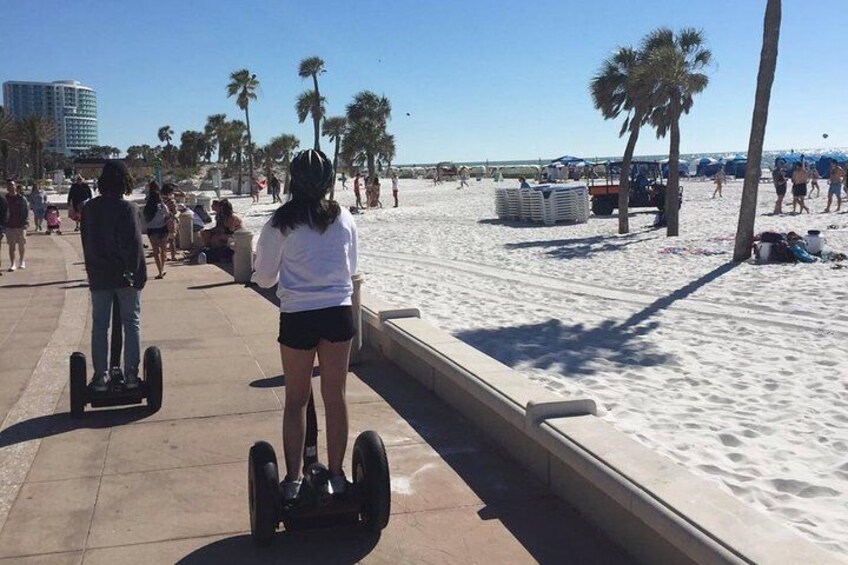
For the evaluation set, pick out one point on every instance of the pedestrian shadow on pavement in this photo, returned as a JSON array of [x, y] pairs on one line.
[[55, 424], [83, 282], [337, 545]]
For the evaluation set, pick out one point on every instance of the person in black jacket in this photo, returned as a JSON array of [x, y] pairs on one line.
[[4, 215], [78, 195], [114, 261]]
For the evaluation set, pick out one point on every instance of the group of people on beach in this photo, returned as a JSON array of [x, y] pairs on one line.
[[161, 214], [800, 177], [372, 191]]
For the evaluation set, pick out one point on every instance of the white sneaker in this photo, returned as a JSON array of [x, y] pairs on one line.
[[338, 484], [13, 268], [23, 264], [290, 489], [99, 383]]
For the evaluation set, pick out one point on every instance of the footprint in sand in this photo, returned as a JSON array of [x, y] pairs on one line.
[[771, 386], [729, 440], [736, 457], [802, 489]]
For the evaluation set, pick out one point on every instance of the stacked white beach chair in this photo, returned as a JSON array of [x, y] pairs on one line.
[[568, 204], [564, 203], [533, 206]]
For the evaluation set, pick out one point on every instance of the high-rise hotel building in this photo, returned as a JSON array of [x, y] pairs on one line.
[[70, 105]]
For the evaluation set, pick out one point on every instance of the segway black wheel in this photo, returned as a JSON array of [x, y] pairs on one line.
[[371, 470], [78, 384], [153, 377], [263, 488]]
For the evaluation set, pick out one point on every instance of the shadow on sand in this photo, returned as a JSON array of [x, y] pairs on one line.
[[580, 247], [573, 348]]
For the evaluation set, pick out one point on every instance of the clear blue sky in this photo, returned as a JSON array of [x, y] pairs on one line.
[[481, 79]]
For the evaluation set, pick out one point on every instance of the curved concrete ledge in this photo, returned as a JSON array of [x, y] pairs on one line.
[[655, 509]]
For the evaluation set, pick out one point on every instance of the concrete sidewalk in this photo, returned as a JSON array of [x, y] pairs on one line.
[[124, 486]]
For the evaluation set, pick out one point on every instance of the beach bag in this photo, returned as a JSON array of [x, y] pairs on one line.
[[780, 252]]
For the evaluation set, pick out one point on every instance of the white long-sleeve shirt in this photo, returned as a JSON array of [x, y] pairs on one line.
[[313, 270]]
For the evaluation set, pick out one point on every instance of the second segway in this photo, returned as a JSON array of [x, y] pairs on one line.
[[117, 393]]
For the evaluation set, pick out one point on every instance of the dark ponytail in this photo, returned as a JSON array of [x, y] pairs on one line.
[[311, 177]]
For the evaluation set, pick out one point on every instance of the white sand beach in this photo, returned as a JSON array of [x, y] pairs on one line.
[[738, 373]]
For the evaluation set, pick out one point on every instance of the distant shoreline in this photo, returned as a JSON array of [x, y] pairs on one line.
[[688, 157]]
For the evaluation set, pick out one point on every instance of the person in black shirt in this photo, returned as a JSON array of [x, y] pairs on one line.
[[114, 261], [79, 193], [4, 214]]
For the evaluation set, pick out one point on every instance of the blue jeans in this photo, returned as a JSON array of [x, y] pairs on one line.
[[101, 305]]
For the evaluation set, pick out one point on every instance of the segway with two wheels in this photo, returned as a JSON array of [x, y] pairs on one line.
[[117, 393], [365, 501]]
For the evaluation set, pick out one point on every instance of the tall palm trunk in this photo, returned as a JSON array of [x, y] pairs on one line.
[[624, 181], [335, 166], [249, 151], [316, 114], [238, 165], [372, 165], [672, 199], [287, 183], [765, 78]]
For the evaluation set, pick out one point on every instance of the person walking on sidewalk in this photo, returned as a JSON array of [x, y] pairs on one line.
[[78, 195], [309, 249], [156, 216], [17, 223], [38, 203], [4, 214], [114, 262]]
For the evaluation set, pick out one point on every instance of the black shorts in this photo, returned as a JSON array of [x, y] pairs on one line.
[[157, 233], [781, 190], [799, 189], [303, 330]]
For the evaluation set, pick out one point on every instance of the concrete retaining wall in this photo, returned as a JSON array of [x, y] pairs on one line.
[[655, 509]]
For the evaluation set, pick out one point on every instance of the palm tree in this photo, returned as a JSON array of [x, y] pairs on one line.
[[671, 76], [243, 86], [165, 135], [334, 128], [765, 78], [7, 132], [306, 105], [367, 117], [387, 151], [283, 147], [35, 131], [613, 93], [312, 67], [214, 129]]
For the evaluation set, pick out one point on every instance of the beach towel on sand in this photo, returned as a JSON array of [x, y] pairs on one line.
[[800, 252]]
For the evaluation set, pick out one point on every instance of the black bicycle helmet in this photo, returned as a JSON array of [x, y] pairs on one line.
[[311, 174]]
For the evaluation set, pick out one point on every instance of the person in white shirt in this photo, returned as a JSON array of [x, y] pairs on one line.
[[309, 249]]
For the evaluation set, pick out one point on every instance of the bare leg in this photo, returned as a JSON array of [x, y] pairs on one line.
[[297, 367], [157, 256], [333, 362]]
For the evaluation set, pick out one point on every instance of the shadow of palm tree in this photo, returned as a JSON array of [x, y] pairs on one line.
[[581, 247], [573, 349]]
